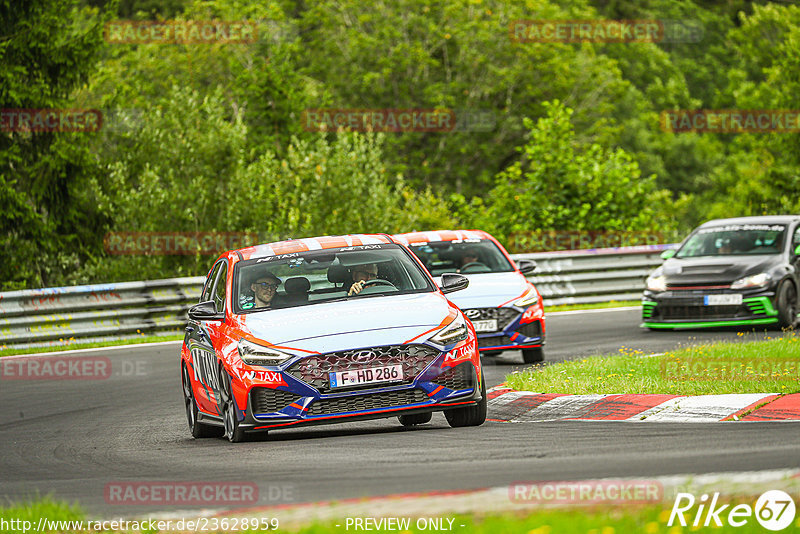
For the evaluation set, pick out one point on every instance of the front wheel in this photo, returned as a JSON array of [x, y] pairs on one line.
[[469, 415], [198, 429], [233, 432], [787, 305], [415, 419], [533, 355]]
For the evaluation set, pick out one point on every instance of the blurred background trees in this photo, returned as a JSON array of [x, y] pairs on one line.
[[209, 137]]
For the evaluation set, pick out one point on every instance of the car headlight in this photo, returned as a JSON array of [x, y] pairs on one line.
[[255, 354], [657, 283], [530, 297], [452, 333], [756, 280]]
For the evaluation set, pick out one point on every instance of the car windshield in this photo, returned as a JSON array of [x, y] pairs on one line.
[[734, 240], [470, 256], [305, 278]]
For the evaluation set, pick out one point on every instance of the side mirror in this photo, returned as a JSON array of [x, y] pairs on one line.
[[797, 251], [526, 266], [205, 311], [667, 254], [454, 282]]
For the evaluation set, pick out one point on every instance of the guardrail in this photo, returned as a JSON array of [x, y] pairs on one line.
[[61, 315]]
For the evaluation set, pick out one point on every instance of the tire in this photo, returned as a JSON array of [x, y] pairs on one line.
[[196, 428], [533, 355], [415, 419], [787, 305], [469, 415], [233, 432]]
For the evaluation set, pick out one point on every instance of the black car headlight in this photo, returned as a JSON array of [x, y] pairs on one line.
[[752, 281], [255, 354], [452, 333]]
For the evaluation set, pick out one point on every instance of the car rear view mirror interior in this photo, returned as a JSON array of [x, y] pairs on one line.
[[526, 266], [205, 311], [667, 254], [454, 282]]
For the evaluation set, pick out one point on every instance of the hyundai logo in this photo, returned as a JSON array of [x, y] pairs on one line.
[[363, 356], [472, 314]]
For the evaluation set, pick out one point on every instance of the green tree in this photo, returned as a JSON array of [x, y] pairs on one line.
[[558, 183], [49, 218]]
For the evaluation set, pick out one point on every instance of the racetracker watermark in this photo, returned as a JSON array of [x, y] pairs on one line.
[[379, 120], [175, 243], [731, 121], [180, 32], [181, 493], [554, 240], [587, 491], [55, 368], [50, 120], [732, 369], [606, 31], [70, 367]]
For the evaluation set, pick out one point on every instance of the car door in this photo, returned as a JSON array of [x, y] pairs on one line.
[[203, 340], [794, 259]]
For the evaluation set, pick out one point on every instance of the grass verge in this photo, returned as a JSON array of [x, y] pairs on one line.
[[595, 306], [594, 519], [757, 366], [74, 344]]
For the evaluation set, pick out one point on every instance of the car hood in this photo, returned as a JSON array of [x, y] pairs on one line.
[[488, 290], [361, 322], [719, 269]]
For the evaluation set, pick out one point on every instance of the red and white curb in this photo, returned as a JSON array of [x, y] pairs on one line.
[[507, 405]]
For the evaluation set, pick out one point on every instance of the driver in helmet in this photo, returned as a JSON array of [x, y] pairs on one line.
[[362, 274]]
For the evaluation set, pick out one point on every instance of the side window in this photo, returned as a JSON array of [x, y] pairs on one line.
[[219, 287], [209, 285], [795, 240]]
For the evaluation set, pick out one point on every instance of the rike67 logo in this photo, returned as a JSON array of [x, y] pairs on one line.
[[774, 510]]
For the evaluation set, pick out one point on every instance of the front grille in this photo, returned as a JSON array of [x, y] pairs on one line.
[[503, 315], [314, 369], [458, 377], [533, 329], [495, 341], [370, 401], [700, 312], [266, 400]]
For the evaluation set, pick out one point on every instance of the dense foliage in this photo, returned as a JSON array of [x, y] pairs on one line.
[[210, 137]]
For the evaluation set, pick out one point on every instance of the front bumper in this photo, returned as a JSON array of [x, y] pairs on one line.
[[687, 309], [448, 380], [512, 334]]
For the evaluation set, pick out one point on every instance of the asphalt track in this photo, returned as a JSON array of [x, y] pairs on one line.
[[71, 438]]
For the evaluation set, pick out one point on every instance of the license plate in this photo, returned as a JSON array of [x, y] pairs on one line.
[[389, 373], [489, 325], [722, 300]]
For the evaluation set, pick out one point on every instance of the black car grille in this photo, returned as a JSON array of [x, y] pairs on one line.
[[698, 312], [369, 401], [503, 315], [533, 329], [266, 400], [314, 369], [458, 377]]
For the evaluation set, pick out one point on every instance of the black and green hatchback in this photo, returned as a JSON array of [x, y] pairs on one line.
[[728, 272]]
